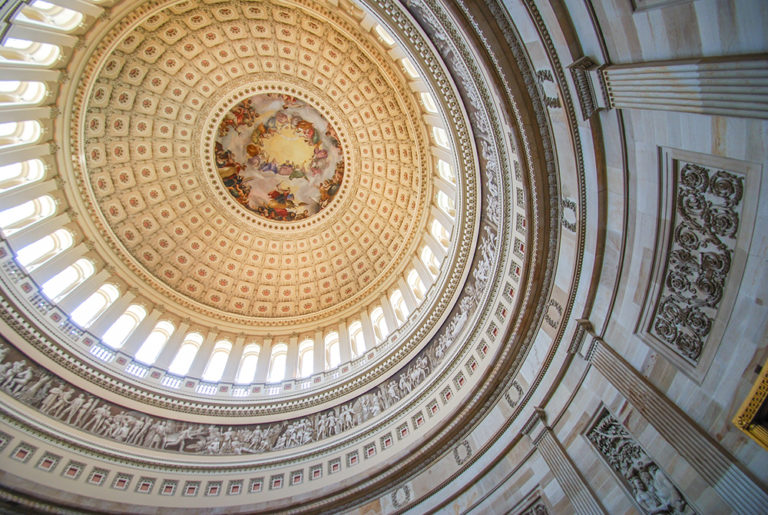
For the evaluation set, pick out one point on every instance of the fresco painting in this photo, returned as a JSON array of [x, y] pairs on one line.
[[279, 157]]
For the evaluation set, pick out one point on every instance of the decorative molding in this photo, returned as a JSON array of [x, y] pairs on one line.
[[637, 472], [707, 209], [585, 72]]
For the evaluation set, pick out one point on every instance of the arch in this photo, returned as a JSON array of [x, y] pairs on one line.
[[356, 339], [21, 93], [186, 354], [118, 332], [248, 364], [84, 314], [40, 251], [218, 360], [429, 102], [440, 233], [15, 50], [378, 320], [50, 16], [58, 286], [24, 172], [416, 285], [20, 133], [399, 306], [23, 215], [277, 362], [430, 260], [332, 350], [155, 342], [441, 138], [446, 203], [306, 358], [445, 171]]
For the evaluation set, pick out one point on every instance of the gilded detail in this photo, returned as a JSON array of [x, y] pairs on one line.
[[700, 252]]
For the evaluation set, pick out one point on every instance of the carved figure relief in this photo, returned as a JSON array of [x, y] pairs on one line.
[[648, 485], [706, 221]]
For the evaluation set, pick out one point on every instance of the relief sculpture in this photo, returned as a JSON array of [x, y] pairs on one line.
[[650, 487], [706, 221]]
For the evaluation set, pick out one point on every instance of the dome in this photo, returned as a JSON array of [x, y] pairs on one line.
[[375, 256]]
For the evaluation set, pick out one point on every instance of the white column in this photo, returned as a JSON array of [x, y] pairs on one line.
[[262, 367], [82, 291], [444, 186], [424, 274], [292, 358], [42, 35], [203, 355], [137, 337], [37, 230], [369, 337], [318, 353], [23, 73], [165, 358], [233, 360], [29, 191], [58, 263], [112, 313], [434, 245], [81, 6], [442, 217], [410, 300], [389, 313], [345, 350]]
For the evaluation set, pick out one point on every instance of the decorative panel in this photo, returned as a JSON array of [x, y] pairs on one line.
[[643, 479], [707, 210]]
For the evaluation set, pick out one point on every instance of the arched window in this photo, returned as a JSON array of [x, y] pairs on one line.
[[416, 285], [441, 137], [37, 253], [17, 93], [217, 361], [446, 203], [30, 52], [429, 102], [332, 351], [155, 342], [277, 363], [16, 174], [306, 358], [20, 133], [385, 37], [51, 16], [84, 314], [124, 326], [248, 364], [57, 287], [440, 233], [430, 261], [399, 306], [409, 68], [18, 217], [356, 338], [186, 354], [380, 328], [445, 171]]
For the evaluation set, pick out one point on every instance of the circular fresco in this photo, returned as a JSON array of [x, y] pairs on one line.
[[279, 157]]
